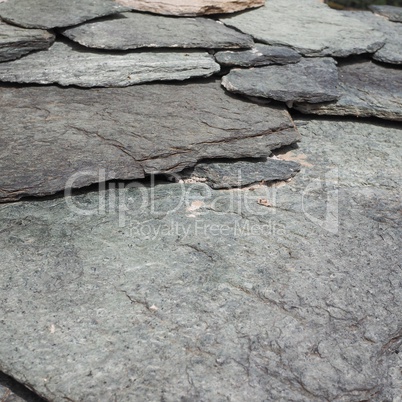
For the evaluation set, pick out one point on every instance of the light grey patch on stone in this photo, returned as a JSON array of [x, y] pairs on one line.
[[308, 26], [259, 55], [211, 296], [138, 30], [243, 173], [310, 80], [393, 13], [366, 89], [51, 135], [70, 64], [47, 14], [16, 42]]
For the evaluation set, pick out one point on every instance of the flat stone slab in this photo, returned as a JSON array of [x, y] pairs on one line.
[[16, 42], [310, 80], [259, 55], [190, 294], [138, 30], [366, 89], [94, 68], [391, 12], [47, 14], [191, 7], [55, 137], [295, 23], [243, 173]]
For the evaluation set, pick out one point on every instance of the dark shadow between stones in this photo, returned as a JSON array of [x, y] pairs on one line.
[[18, 389]]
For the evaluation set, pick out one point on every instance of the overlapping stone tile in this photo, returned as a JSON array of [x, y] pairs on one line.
[[49, 134], [47, 14], [137, 30], [308, 26], [311, 80], [191, 7], [16, 42], [391, 12], [366, 89]]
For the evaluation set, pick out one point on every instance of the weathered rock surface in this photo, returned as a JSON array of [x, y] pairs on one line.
[[94, 68], [243, 173], [47, 14], [137, 30], [210, 296], [16, 42], [50, 134], [310, 80], [391, 12], [308, 26], [259, 55], [191, 7], [366, 89]]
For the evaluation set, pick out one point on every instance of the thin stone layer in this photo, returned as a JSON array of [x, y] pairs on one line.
[[55, 137], [69, 64], [309, 27], [138, 30], [393, 13]]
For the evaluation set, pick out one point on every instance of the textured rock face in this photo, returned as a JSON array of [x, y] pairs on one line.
[[191, 7], [50, 134], [16, 42], [249, 303], [366, 89], [259, 55], [310, 80], [309, 27], [92, 68], [391, 12], [137, 30]]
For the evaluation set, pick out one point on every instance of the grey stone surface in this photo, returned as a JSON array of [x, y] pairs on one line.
[[191, 7], [226, 174], [366, 89], [308, 26], [138, 30], [49, 14], [310, 80], [259, 55], [50, 134], [212, 296], [68, 64], [391, 12], [16, 42]]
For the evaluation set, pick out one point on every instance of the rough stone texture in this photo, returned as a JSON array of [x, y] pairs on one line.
[[259, 55], [309, 27], [366, 89], [49, 14], [50, 133], [15, 41], [255, 304], [137, 30], [243, 173], [391, 12], [310, 80], [191, 7], [94, 68], [391, 52]]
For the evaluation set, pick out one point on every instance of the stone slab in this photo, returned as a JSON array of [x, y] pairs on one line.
[[47, 14], [191, 7], [309, 27], [211, 296], [51, 135], [95, 68], [138, 30], [16, 42], [393, 13], [311, 80], [366, 89], [259, 55]]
